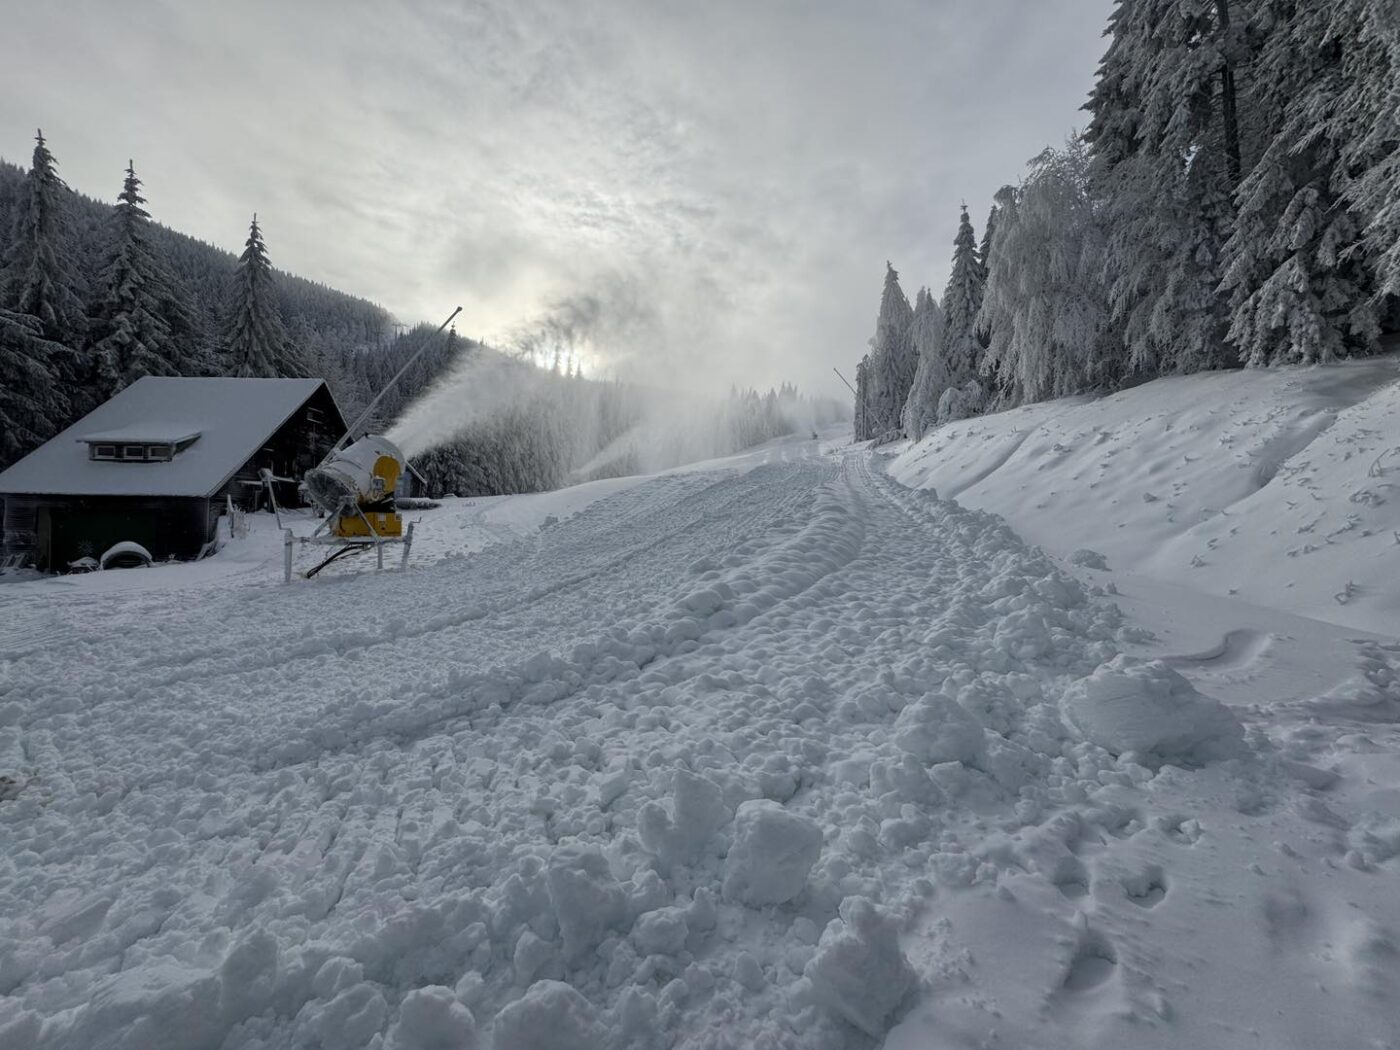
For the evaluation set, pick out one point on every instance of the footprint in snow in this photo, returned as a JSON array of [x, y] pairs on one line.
[[1071, 878], [1093, 963], [1146, 889]]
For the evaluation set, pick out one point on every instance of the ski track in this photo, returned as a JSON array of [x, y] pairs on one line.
[[259, 815]]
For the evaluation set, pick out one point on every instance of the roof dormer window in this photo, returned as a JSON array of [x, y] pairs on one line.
[[140, 444]]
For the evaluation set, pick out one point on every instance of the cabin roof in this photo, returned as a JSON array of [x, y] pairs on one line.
[[232, 418]]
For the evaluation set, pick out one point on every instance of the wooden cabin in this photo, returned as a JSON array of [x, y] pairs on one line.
[[159, 463]]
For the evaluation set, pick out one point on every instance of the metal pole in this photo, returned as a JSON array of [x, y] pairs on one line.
[[407, 543], [287, 557], [387, 387], [844, 380]]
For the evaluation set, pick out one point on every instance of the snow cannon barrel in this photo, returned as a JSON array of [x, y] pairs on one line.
[[361, 475]]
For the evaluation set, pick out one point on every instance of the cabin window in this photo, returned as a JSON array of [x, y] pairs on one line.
[[140, 451]]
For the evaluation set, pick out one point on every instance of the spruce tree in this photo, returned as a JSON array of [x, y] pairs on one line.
[[34, 402], [962, 300], [931, 377], [892, 359], [1165, 148], [255, 341], [862, 415], [984, 252], [1300, 270], [131, 337], [39, 279]]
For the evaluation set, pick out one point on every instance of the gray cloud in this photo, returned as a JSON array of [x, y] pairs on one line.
[[734, 174]]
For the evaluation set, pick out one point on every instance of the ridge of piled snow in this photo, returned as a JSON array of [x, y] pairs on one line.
[[1279, 486]]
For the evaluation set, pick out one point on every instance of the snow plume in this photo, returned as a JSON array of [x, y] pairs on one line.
[[672, 429], [481, 386]]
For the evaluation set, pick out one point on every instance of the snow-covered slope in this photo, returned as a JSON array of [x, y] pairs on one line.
[[770, 753], [1281, 486]]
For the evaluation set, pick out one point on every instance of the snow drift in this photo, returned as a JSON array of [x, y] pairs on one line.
[[1277, 486]]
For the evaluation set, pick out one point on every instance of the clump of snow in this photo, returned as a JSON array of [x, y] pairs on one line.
[[934, 729], [587, 900], [432, 1018], [550, 1016], [1145, 707], [859, 971], [1088, 559], [772, 853], [698, 810]]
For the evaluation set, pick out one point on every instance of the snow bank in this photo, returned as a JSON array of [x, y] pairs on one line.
[[1279, 486], [1131, 707]]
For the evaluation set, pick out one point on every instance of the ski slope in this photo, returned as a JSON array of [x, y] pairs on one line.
[[770, 752]]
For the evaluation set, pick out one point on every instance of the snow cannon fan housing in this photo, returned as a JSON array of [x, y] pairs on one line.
[[356, 487]]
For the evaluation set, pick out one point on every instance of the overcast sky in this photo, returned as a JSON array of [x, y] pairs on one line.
[[712, 188]]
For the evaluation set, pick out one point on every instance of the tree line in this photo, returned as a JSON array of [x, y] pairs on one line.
[[95, 296], [1234, 200]]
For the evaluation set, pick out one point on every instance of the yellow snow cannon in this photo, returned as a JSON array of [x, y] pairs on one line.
[[355, 486]]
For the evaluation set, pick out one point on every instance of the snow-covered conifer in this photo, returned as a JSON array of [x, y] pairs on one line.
[[131, 338], [1299, 269], [1164, 142], [39, 279], [255, 341], [34, 402], [931, 376], [962, 301], [1045, 309], [892, 359], [862, 423]]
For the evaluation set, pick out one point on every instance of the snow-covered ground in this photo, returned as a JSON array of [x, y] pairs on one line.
[[771, 752], [1281, 487]]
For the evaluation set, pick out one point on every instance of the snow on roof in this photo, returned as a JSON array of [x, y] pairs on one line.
[[235, 418], [151, 432]]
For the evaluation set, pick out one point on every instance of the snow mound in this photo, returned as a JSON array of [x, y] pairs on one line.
[[550, 1016], [859, 971], [1146, 708], [1088, 559], [772, 854], [431, 1018], [1277, 485], [698, 811]]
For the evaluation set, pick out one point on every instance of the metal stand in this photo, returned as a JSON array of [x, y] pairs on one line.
[[343, 548]]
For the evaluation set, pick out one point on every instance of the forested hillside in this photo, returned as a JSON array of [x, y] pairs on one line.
[[93, 296], [1234, 200]]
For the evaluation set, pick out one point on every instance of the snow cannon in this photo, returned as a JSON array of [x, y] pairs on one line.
[[355, 486]]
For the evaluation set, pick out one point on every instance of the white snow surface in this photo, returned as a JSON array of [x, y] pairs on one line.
[[1278, 486], [772, 752]]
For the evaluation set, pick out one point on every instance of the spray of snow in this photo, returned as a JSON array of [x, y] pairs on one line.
[[479, 387]]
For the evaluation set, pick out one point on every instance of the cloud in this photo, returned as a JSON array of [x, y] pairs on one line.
[[731, 176]]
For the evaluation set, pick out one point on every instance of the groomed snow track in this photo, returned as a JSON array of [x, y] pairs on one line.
[[263, 816]]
